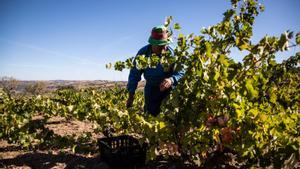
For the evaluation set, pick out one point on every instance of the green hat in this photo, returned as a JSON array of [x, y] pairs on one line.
[[159, 36]]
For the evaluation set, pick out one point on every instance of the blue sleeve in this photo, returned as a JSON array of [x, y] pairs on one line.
[[133, 79], [175, 76], [134, 76]]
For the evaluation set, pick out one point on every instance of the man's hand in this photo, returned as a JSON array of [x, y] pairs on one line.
[[165, 84], [130, 101]]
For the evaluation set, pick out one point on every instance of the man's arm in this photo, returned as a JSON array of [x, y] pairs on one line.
[[176, 76], [171, 81], [133, 79], [135, 73]]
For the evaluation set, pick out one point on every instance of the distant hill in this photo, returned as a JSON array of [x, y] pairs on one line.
[[52, 85]]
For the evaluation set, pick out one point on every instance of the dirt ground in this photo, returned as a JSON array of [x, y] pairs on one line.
[[12, 156]]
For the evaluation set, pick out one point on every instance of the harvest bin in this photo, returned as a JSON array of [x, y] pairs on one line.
[[122, 152]]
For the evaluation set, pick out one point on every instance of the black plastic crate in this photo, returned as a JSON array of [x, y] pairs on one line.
[[122, 152]]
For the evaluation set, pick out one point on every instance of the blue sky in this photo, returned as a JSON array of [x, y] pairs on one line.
[[74, 39]]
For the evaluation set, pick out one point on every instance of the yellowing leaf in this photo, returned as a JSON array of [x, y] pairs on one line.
[[208, 49], [162, 125], [273, 97], [70, 108], [217, 75], [223, 60], [263, 117], [239, 113], [216, 136], [250, 89], [254, 112]]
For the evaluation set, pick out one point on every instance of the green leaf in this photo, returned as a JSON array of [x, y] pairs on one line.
[[283, 42], [129, 63], [232, 95], [273, 97], [249, 86], [263, 117], [223, 60], [254, 112], [199, 72], [261, 8], [177, 26], [239, 114], [217, 75], [162, 125], [228, 14], [234, 3], [168, 21], [208, 49], [205, 76], [298, 38], [243, 44], [74, 149]]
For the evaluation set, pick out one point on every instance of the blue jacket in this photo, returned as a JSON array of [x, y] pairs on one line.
[[153, 76]]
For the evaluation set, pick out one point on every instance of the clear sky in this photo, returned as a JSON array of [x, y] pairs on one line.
[[74, 39]]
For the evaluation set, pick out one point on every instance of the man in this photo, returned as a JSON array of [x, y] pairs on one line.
[[158, 82]]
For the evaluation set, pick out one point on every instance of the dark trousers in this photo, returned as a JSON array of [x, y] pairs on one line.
[[153, 99]]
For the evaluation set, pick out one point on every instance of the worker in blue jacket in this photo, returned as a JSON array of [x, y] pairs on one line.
[[158, 82]]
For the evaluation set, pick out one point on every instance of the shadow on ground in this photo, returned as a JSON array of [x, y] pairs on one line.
[[38, 160], [45, 161]]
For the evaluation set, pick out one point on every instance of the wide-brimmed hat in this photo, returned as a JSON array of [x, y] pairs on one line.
[[159, 36]]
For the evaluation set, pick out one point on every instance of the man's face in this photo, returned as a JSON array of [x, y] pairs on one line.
[[158, 49]]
